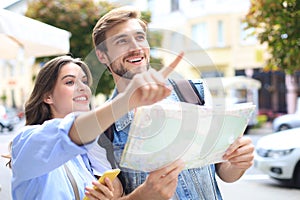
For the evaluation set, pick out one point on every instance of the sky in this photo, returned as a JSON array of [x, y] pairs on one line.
[[4, 3]]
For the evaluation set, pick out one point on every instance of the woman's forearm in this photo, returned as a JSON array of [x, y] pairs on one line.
[[87, 126]]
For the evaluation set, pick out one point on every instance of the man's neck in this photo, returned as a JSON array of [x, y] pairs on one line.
[[121, 83]]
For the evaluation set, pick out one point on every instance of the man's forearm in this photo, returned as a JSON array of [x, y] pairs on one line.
[[228, 173], [135, 195]]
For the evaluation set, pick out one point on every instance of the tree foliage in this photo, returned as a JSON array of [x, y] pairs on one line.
[[78, 17], [277, 23]]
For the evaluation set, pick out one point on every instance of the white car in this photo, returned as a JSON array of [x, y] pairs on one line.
[[8, 118], [278, 155], [287, 121]]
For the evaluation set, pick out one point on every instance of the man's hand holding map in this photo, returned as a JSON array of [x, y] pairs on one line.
[[199, 135]]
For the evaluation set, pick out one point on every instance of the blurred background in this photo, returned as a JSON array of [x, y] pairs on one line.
[[250, 48]]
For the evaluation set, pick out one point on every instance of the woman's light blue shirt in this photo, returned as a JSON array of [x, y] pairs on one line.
[[39, 153]]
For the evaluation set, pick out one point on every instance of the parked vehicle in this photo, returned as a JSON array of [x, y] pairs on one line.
[[278, 155], [8, 118], [287, 121]]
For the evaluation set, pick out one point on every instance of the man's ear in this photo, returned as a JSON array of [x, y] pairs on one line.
[[48, 99], [102, 57]]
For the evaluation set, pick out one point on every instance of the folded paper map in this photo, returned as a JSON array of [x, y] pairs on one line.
[[199, 135]]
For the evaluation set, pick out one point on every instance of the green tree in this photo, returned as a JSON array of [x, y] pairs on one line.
[[277, 24], [79, 17]]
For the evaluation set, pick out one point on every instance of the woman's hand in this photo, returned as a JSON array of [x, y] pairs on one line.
[[100, 191], [150, 87]]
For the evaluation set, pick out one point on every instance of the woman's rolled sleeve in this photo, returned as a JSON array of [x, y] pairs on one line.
[[39, 149]]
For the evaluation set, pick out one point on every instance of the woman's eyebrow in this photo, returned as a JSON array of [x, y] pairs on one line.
[[68, 75], [72, 76]]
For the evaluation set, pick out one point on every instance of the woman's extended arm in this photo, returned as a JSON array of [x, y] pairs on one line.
[[144, 89]]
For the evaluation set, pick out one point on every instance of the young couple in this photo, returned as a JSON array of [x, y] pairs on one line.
[[61, 130]]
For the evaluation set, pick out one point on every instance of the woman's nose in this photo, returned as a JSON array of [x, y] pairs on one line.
[[81, 86]]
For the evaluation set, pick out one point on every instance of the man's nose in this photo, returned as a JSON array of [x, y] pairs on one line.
[[134, 44]]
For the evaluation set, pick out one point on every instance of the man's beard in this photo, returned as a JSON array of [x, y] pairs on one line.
[[121, 71], [124, 73]]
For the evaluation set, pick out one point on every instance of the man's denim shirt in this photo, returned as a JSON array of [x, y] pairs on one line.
[[193, 184]]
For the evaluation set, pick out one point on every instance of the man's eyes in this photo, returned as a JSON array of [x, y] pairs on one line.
[[139, 38], [121, 41]]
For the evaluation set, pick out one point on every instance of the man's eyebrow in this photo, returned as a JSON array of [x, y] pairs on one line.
[[141, 32], [114, 38], [119, 36]]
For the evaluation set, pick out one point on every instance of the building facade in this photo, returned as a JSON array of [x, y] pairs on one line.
[[213, 36]]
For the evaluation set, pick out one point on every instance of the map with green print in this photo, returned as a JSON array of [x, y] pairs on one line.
[[199, 135]]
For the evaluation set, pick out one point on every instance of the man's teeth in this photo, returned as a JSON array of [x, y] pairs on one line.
[[135, 60], [80, 99]]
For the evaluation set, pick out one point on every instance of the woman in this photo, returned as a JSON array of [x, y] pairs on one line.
[[56, 140]]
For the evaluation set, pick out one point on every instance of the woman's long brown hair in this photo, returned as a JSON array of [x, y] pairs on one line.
[[36, 110]]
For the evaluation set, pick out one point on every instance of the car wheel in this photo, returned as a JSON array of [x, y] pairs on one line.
[[10, 128], [297, 175], [283, 127]]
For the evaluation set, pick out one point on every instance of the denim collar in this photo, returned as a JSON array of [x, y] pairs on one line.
[[125, 120]]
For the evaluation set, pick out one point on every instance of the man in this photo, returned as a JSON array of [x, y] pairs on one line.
[[120, 43]]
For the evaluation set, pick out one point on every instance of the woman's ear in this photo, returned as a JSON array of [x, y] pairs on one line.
[[102, 57], [48, 99]]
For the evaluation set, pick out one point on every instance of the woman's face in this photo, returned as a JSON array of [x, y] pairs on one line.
[[71, 92]]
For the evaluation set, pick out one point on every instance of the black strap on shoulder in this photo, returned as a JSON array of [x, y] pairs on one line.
[[105, 140], [187, 91]]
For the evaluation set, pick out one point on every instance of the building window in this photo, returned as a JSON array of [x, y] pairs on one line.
[[174, 5], [197, 3], [221, 42], [200, 35], [246, 36], [177, 41]]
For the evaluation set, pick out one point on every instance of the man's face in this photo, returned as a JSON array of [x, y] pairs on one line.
[[127, 49]]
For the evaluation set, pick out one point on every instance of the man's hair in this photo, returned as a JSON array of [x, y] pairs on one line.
[[111, 19]]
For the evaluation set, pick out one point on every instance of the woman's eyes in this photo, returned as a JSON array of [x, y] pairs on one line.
[[86, 82], [71, 82]]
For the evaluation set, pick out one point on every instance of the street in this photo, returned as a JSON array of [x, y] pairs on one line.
[[255, 185], [5, 172], [252, 186]]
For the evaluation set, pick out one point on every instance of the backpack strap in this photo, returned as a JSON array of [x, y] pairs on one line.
[[105, 140], [187, 91]]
